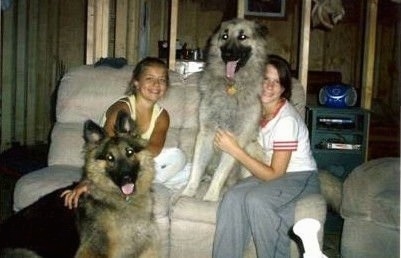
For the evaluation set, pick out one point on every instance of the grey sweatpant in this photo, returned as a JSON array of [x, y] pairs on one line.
[[263, 211]]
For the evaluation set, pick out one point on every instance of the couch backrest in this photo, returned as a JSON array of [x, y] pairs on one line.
[[298, 97], [85, 92]]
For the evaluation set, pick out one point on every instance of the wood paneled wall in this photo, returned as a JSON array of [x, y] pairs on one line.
[[36, 37], [112, 29], [24, 111], [41, 39]]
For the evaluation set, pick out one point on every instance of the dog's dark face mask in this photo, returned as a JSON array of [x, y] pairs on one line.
[[119, 152], [122, 167], [234, 54], [236, 42]]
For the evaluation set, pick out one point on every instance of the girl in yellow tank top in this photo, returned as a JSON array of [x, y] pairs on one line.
[[157, 110], [148, 85]]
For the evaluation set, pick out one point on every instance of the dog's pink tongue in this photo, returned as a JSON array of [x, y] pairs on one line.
[[230, 68], [128, 188]]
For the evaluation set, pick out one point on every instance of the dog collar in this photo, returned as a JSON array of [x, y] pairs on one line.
[[231, 90], [230, 87]]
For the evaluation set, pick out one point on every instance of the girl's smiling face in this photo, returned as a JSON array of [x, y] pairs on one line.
[[271, 88], [152, 83]]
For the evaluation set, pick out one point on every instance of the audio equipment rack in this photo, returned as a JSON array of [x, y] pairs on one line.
[[338, 137]]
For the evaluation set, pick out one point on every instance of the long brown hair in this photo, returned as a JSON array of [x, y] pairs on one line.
[[140, 68], [284, 73]]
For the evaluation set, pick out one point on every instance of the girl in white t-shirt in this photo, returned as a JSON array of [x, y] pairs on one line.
[[261, 207]]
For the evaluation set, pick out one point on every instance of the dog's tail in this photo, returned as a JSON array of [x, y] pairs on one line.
[[18, 253], [331, 188]]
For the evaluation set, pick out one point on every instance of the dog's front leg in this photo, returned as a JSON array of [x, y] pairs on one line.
[[85, 251], [225, 167], [202, 155]]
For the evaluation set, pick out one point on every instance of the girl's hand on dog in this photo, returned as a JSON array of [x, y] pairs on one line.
[[225, 141], [71, 197]]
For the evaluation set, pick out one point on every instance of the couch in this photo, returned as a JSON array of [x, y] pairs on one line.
[[371, 210], [186, 224]]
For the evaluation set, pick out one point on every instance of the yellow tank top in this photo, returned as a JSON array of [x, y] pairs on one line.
[[157, 110]]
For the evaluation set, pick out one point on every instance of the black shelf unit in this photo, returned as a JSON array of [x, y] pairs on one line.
[[338, 137]]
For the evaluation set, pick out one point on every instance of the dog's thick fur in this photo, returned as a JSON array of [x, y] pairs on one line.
[[115, 218], [228, 100]]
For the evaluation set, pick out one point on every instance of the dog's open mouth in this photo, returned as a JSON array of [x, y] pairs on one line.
[[128, 189], [127, 186], [231, 67]]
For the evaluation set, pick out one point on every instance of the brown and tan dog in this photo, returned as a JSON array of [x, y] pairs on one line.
[[115, 217]]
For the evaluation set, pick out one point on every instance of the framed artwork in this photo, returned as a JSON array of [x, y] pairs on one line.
[[267, 8]]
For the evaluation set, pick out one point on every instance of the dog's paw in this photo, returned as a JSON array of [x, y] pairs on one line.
[[189, 191], [211, 196]]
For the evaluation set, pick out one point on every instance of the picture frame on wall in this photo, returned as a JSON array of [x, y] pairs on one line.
[[266, 8]]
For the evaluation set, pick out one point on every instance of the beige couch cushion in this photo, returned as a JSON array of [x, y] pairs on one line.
[[85, 87], [386, 209], [372, 192], [174, 100], [66, 145]]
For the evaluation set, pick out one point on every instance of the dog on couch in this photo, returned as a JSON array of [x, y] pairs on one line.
[[229, 87], [115, 218]]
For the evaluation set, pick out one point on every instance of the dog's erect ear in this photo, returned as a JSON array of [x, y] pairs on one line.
[[261, 30], [124, 124], [93, 133]]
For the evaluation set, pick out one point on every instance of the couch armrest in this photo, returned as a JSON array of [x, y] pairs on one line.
[[32, 186], [369, 186]]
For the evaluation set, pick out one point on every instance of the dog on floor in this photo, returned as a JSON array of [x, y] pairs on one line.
[[115, 218], [230, 88]]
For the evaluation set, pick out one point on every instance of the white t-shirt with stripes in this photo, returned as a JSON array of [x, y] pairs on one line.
[[288, 131]]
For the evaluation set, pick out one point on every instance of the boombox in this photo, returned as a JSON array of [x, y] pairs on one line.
[[337, 95]]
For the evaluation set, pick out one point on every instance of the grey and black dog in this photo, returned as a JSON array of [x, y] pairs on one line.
[[230, 88]]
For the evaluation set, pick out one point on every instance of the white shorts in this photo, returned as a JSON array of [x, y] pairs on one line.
[[171, 167]]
